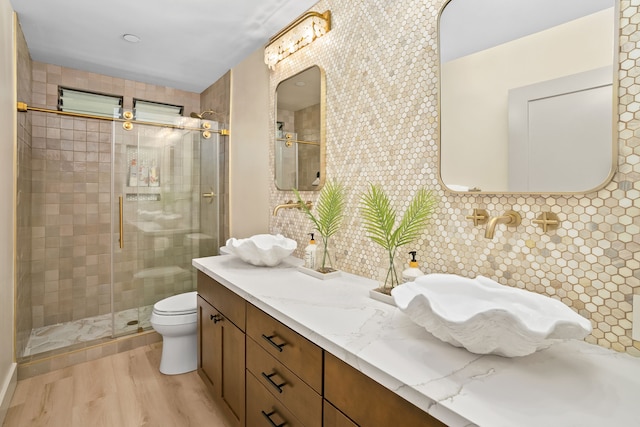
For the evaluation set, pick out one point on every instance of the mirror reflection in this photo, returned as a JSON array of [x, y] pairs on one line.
[[526, 95], [299, 151]]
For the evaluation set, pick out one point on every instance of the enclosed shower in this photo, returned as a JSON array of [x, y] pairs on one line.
[[117, 209]]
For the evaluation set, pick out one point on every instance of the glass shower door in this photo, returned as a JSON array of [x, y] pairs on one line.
[[156, 194]]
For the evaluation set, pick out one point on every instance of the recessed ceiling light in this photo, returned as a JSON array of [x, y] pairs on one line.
[[300, 83], [131, 38]]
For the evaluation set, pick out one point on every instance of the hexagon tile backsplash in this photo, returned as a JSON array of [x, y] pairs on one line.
[[381, 65]]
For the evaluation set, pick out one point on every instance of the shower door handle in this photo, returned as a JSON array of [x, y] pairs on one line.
[[121, 202]]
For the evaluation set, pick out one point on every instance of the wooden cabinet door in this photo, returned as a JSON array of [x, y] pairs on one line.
[[230, 371], [206, 342], [221, 355]]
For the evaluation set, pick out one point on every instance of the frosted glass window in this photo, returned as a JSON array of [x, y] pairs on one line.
[[76, 101], [155, 112]]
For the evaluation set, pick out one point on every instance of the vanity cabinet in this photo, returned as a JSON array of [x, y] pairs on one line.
[[264, 374], [221, 346], [284, 374], [365, 401]]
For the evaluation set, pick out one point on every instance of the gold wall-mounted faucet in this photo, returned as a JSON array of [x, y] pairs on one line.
[[510, 218], [290, 205]]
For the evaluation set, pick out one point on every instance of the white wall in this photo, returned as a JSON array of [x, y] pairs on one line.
[[249, 175], [8, 121]]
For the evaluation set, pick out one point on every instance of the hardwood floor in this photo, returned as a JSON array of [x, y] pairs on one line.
[[122, 390]]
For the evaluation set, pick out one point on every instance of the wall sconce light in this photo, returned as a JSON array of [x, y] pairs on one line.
[[296, 35]]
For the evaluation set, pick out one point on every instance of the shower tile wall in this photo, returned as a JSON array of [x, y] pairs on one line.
[[71, 212], [381, 65], [70, 218]]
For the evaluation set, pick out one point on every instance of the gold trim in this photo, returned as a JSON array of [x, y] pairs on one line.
[[23, 108]]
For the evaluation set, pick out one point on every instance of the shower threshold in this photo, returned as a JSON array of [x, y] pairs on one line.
[[61, 335]]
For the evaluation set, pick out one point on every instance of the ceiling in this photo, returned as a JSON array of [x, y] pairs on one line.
[[187, 44]]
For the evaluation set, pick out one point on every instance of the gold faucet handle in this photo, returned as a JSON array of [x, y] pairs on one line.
[[548, 221], [480, 216]]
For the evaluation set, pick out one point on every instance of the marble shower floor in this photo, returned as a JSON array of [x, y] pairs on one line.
[[53, 337]]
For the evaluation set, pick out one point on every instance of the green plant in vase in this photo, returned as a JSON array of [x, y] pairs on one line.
[[330, 213], [379, 219]]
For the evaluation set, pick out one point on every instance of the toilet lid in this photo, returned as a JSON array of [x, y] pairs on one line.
[[178, 304]]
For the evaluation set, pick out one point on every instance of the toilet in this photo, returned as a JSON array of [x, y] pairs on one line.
[[176, 319]]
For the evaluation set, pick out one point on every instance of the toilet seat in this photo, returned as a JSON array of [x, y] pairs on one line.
[[177, 305]]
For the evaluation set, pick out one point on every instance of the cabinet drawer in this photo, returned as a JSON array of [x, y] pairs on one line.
[[232, 306], [368, 403], [264, 410], [294, 393], [288, 347]]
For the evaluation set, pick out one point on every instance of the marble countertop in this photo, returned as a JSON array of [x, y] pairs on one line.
[[570, 383]]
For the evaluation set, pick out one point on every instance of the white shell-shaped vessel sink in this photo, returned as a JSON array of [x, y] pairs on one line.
[[262, 249], [486, 317]]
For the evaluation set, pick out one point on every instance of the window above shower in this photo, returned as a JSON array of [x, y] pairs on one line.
[[105, 105], [83, 102], [156, 112]]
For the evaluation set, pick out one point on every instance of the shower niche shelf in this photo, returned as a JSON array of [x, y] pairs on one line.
[[143, 167]]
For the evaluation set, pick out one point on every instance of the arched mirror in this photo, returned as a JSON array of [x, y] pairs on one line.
[[300, 133], [527, 95]]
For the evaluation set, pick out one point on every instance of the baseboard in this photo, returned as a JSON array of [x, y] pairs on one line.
[[6, 392]]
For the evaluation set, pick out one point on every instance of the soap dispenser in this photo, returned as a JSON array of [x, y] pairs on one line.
[[310, 253], [413, 272]]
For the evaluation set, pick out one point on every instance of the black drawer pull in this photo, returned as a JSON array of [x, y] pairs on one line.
[[276, 386], [216, 318], [268, 417], [270, 341]]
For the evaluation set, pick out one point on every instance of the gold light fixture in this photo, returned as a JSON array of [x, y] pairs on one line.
[[296, 35]]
